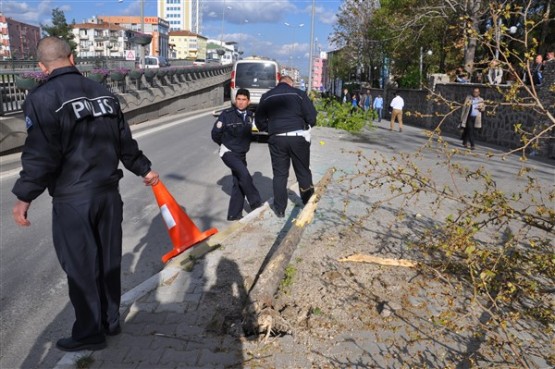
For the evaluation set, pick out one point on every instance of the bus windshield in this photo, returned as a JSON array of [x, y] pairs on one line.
[[255, 75]]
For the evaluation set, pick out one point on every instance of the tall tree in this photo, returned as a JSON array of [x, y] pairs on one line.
[[59, 28], [350, 34]]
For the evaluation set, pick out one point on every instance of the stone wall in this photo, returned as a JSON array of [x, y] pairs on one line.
[[441, 109], [142, 105]]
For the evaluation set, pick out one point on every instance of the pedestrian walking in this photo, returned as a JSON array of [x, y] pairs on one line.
[[346, 96], [287, 114], [366, 100], [76, 136], [233, 132], [471, 117], [378, 107], [397, 105], [355, 103]]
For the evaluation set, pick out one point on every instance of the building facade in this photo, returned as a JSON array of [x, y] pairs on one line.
[[188, 45], [224, 52], [182, 15], [18, 40], [98, 39], [292, 72], [319, 72], [157, 27]]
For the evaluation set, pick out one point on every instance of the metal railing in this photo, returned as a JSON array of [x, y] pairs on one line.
[[12, 97], [85, 62]]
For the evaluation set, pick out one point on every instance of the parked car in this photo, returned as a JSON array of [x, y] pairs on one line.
[[213, 61], [156, 62]]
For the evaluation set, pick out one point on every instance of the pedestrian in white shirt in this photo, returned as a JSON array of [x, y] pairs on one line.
[[397, 105]]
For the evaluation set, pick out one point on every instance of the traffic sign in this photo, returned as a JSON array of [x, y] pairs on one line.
[[130, 55]]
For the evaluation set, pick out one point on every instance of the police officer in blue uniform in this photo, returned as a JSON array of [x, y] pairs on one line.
[[287, 114], [233, 132], [76, 137]]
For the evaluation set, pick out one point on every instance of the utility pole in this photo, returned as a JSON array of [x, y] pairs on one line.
[[142, 49], [311, 48]]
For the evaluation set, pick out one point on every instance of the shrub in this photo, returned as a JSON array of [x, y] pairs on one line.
[[332, 113], [121, 70], [38, 76], [101, 71]]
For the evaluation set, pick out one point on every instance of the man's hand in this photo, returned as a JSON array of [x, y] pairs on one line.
[[151, 178], [19, 213]]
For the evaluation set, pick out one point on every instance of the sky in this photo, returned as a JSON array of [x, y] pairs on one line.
[[258, 26]]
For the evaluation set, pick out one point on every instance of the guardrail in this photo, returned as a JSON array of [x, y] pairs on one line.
[[85, 62], [12, 96]]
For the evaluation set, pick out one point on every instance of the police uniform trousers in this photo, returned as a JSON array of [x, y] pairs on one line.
[[87, 236], [243, 185], [285, 150]]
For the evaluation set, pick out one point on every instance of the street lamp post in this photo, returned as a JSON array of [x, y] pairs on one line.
[[291, 57], [142, 48], [429, 53], [223, 18]]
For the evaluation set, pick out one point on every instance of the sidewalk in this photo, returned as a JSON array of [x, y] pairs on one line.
[[189, 315]]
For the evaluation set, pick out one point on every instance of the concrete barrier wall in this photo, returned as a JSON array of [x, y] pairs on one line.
[[203, 91]]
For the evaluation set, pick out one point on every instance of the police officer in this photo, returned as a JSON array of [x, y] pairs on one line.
[[233, 132], [287, 114], [76, 136]]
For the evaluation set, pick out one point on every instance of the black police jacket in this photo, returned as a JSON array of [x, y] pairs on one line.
[[231, 131], [284, 109], [76, 136]]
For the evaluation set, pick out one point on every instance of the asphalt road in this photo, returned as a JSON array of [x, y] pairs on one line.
[[35, 309]]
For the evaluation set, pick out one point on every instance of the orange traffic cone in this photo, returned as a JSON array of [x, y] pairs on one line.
[[183, 232]]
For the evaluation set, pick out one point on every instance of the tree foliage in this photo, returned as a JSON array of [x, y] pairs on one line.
[[398, 29], [59, 28]]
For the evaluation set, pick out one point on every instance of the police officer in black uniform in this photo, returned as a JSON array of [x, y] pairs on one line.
[[287, 114], [76, 136], [233, 132]]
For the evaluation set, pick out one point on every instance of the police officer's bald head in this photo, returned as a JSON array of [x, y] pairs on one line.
[[54, 52], [286, 79]]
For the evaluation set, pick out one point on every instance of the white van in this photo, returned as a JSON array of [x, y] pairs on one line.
[[256, 75]]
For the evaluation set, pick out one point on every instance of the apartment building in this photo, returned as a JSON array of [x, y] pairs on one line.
[[158, 27], [97, 39], [182, 14], [188, 45], [18, 40]]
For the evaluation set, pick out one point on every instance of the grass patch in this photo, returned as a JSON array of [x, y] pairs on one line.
[[288, 278]]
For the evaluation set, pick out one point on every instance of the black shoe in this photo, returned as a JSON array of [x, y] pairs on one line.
[[113, 332], [306, 195], [279, 214], [234, 218], [69, 344]]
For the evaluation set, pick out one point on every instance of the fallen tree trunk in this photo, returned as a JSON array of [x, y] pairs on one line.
[[259, 316]]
